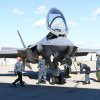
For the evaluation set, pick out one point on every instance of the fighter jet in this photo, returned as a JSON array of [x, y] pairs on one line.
[[55, 43]]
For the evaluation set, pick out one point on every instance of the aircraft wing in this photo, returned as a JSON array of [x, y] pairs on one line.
[[7, 52], [84, 51], [30, 53], [9, 48]]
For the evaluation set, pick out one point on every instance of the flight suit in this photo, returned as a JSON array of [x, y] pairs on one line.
[[98, 67], [42, 71], [56, 71], [87, 72], [98, 64], [18, 70], [56, 78], [67, 69]]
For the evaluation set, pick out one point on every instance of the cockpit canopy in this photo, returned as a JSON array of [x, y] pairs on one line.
[[56, 22]]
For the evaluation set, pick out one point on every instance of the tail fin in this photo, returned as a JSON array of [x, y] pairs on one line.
[[24, 62], [21, 39]]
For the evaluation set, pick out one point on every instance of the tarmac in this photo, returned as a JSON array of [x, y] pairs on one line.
[[73, 89]]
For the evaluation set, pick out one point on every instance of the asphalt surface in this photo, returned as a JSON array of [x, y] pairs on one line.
[[73, 89]]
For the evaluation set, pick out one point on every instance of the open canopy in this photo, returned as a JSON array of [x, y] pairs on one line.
[[56, 22]]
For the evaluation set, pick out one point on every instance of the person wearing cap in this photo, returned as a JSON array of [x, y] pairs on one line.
[[87, 72], [67, 69], [98, 67], [98, 62], [18, 71], [42, 70]]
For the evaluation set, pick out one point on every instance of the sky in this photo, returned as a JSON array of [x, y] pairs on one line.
[[29, 17]]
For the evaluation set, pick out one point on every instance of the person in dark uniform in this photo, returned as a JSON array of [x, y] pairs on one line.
[[67, 69], [98, 67], [57, 79], [87, 72], [42, 70], [56, 70], [98, 62], [18, 71]]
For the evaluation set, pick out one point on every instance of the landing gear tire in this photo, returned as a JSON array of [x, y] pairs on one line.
[[52, 80], [55, 80]]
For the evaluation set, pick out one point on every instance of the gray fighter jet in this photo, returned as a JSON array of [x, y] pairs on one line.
[[55, 43]]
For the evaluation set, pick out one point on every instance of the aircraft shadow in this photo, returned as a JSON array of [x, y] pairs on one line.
[[34, 75], [38, 92], [8, 74], [31, 74], [75, 72], [94, 80]]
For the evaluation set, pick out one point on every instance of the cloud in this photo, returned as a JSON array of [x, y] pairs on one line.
[[41, 9], [85, 19], [86, 44], [79, 43], [58, 23], [40, 23], [97, 12], [18, 12], [48, 1], [71, 24], [93, 16]]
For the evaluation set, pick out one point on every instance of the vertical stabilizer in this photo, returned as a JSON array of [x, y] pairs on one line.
[[21, 39]]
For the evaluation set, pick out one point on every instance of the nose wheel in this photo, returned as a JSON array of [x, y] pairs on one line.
[[55, 80]]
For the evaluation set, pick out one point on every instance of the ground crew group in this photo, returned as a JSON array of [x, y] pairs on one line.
[[19, 68], [43, 70]]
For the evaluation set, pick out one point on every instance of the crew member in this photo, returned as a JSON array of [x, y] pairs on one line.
[[98, 67], [42, 70], [56, 69], [18, 70], [87, 72], [98, 62], [67, 69]]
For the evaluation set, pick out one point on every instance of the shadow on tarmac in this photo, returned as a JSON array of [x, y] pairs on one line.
[[34, 75], [41, 92], [38, 92]]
